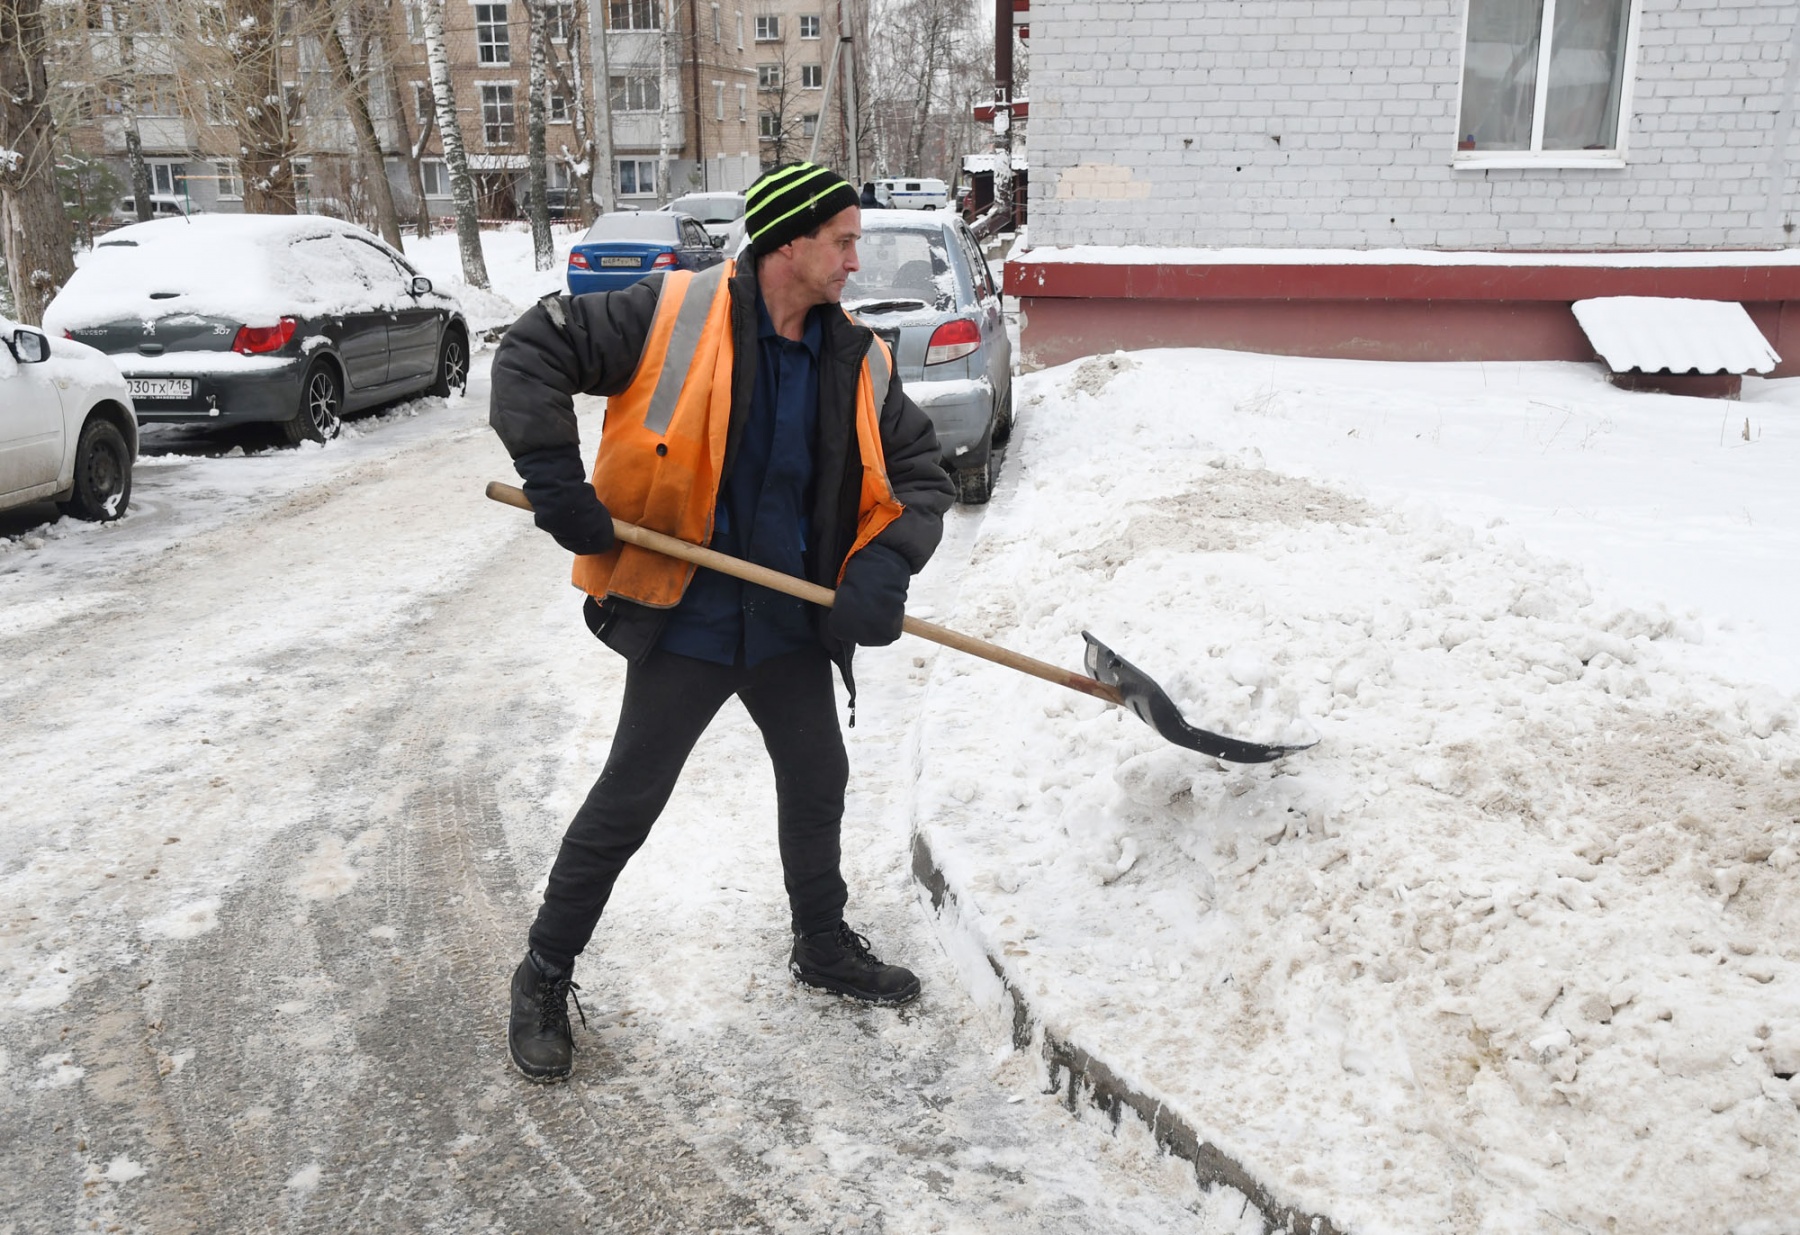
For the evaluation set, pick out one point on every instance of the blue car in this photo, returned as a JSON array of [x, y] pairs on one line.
[[622, 247]]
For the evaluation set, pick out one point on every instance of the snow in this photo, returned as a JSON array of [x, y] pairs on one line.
[[1516, 938], [224, 363], [1670, 333], [292, 265], [1156, 255], [1512, 948]]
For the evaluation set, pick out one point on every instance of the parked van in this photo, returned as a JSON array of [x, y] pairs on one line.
[[914, 193]]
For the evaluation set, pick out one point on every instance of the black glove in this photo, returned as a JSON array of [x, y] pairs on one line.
[[563, 501], [871, 601]]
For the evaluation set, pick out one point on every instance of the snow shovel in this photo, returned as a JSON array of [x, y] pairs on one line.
[[1114, 679]]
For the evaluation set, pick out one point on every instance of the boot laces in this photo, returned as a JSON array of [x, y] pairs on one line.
[[857, 945], [553, 1007]]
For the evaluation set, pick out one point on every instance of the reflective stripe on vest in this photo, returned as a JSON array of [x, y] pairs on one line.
[[662, 449]]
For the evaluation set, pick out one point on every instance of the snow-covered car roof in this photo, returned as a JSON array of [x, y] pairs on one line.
[[242, 267]]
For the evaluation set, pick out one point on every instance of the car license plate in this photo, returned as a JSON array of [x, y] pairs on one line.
[[160, 387], [632, 262]]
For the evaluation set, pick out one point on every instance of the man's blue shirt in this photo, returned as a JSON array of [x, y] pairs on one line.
[[763, 512]]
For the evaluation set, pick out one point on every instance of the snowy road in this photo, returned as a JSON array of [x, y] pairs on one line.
[[289, 750]]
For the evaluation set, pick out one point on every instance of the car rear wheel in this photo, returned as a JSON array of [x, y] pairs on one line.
[[102, 473], [321, 413], [1003, 419], [453, 365]]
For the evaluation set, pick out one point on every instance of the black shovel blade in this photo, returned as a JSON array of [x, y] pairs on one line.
[[1154, 707]]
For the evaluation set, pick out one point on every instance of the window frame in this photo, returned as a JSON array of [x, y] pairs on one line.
[[635, 10], [638, 166], [817, 25], [434, 169], [769, 75], [485, 43], [773, 28], [620, 100], [814, 71], [1615, 157], [228, 181], [512, 105]]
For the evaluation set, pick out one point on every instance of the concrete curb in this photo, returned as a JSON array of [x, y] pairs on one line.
[[1077, 1075]]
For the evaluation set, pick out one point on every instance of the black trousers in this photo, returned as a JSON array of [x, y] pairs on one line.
[[669, 701]]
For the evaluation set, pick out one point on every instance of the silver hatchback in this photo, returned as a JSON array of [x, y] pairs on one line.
[[925, 287]]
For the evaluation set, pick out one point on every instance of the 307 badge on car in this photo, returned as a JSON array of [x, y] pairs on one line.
[[161, 387]]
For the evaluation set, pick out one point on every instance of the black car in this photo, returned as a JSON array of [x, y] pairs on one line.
[[295, 319]]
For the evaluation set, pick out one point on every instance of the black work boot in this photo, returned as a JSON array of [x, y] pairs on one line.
[[538, 1036], [839, 960]]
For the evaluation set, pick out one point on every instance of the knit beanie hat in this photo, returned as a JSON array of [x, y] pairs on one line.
[[790, 201]]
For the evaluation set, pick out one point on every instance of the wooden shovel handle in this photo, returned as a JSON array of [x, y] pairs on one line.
[[775, 581]]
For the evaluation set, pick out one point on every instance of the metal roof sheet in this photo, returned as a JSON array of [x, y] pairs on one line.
[[1656, 333]]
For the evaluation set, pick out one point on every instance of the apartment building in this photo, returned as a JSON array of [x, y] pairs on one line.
[[674, 73], [807, 56]]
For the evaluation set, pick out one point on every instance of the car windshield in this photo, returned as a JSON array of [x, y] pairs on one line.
[[641, 226], [902, 266], [710, 208]]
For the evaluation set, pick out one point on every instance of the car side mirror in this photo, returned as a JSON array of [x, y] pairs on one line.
[[421, 286], [30, 347], [718, 242]]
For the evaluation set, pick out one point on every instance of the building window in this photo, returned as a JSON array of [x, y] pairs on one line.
[[768, 27], [295, 100], [435, 177], [1523, 93], [718, 100], [740, 30], [635, 15], [637, 177], [812, 76], [718, 26], [768, 77], [809, 25], [493, 45], [556, 175], [170, 179], [743, 104], [303, 185], [231, 185], [497, 114], [635, 94], [561, 19], [558, 105], [156, 96], [424, 102], [768, 126], [415, 20], [809, 124]]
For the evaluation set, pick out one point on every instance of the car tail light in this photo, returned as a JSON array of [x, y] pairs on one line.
[[253, 340], [952, 341], [68, 334], [663, 261], [578, 260]]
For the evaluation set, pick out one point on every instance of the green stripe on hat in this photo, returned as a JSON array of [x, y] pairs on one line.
[[792, 200]]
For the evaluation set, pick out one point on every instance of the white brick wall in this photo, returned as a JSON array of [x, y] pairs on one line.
[[1156, 122]]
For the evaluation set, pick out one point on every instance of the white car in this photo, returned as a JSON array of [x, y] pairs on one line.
[[68, 430]]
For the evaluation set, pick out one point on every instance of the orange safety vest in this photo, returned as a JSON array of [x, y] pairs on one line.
[[662, 446]]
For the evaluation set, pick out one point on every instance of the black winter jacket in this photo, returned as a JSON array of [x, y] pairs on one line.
[[591, 344]]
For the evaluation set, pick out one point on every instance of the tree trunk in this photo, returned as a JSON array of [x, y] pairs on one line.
[[456, 159], [543, 247], [601, 171], [412, 152], [355, 90], [663, 124], [265, 137], [34, 228], [141, 189]]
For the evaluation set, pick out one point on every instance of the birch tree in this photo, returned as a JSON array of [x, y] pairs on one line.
[[352, 81], [456, 158], [543, 247], [34, 229]]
